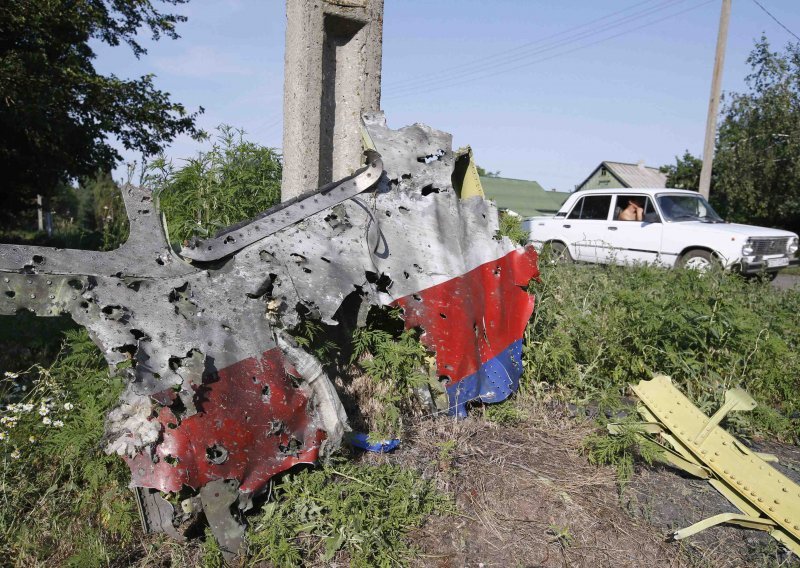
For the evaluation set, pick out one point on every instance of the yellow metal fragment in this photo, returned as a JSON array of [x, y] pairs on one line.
[[465, 177], [729, 518], [768, 499], [735, 399]]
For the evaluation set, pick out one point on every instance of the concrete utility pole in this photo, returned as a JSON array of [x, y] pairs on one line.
[[713, 103], [332, 75]]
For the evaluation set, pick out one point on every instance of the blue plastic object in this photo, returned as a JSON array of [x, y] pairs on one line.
[[361, 440]]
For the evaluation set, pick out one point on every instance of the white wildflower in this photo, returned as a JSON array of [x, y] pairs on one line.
[[3, 436], [15, 455], [27, 407], [10, 375], [58, 423], [68, 406], [9, 421], [44, 411], [46, 421], [32, 439]]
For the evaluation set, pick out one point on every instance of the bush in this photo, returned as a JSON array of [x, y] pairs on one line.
[[596, 329], [233, 181]]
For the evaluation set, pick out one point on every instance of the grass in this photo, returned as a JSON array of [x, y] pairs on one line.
[[597, 329], [343, 510], [63, 500]]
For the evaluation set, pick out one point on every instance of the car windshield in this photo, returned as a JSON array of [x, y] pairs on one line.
[[687, 208]]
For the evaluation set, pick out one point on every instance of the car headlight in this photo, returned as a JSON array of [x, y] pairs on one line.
[[747, 248], [791, 248]]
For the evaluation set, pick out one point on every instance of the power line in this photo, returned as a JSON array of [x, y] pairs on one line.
[[573, 34], [529, 63], [776, 19], [521, 47], [445, 78]]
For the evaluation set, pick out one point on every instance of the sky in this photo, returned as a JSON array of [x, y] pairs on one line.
[[541, 90]]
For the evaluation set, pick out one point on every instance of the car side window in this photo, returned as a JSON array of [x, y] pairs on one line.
[[591, 207], [576, 210], [649, 214]]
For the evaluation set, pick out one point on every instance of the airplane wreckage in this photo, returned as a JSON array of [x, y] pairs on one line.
[[219, 398]]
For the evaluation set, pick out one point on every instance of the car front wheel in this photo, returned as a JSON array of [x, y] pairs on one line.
[[700, 260]]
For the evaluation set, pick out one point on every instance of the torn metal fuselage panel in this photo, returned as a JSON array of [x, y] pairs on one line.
[[767, 499], [218, 391]]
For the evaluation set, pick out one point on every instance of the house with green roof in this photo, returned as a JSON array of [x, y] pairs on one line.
[[527, 198]]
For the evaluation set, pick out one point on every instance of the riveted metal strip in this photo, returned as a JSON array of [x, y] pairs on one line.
[[281, 216], [743, 472]]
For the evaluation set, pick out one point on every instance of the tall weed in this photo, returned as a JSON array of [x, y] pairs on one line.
[[233, 181]]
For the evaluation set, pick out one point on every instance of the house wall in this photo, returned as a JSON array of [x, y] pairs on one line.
[[601, 179]]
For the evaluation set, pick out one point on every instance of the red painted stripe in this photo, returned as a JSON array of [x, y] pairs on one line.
[[472, 318], [252, 410]]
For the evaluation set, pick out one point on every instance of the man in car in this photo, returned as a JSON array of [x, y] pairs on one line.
[[634, 211]]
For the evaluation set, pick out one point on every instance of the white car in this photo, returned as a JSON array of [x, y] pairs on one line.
[[676, 228]]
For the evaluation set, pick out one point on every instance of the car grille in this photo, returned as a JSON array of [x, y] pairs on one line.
[[766, 246]]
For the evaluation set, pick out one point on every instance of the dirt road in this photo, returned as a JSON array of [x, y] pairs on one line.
[[786, 281]]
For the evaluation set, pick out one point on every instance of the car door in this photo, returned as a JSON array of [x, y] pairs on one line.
[[632, 242], [585, 225]]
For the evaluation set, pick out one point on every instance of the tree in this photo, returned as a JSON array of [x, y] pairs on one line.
[[757, 160], [685, 173], [485, 173], [57, 113]]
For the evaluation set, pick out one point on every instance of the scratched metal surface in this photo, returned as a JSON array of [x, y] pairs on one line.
[[218, 392]]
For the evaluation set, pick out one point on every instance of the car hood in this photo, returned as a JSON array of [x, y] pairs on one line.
[[736, 229]]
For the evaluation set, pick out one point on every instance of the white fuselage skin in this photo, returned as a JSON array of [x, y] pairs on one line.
[[658, 238]]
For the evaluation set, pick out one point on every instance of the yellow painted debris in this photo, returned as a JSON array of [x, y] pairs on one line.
[[767, 499]]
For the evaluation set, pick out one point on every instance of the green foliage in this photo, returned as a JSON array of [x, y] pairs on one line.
[[233, 181], [211, 553], [504, 413], [685, 173], [756, 177], [562, 535], [597, 329], [392, 358], [511, 227], [365, 511], [52, 467], [621, 449], [396, 361], [104, 209], [485, 173], [757, 161], [313, 336], [58, 113]]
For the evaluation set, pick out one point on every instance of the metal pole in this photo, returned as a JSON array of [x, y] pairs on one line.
[[713, 103]]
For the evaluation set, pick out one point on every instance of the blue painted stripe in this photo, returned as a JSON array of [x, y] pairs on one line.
[[496, 380]]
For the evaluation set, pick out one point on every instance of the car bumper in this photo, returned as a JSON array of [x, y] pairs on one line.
[[767, 265]]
